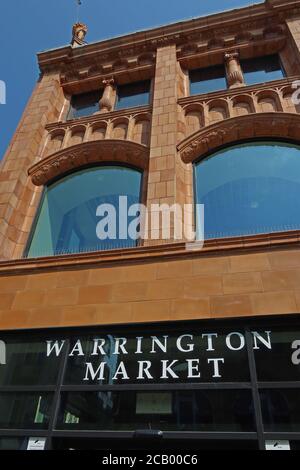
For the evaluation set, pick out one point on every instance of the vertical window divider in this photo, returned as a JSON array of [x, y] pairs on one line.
[[57, 395], [255, 390]]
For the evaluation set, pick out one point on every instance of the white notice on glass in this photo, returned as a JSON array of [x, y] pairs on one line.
[[36, 443]]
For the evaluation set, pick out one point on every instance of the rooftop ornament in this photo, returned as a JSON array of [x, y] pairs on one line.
[[79, 32]]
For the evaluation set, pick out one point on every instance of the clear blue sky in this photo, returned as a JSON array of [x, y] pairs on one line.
[[30, 26]]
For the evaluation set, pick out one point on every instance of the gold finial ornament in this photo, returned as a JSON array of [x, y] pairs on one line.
[[79, 32]]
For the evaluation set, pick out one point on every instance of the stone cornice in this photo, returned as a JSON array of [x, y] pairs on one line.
[[89, 153], [173, 251], [68, 58], [252, 126]]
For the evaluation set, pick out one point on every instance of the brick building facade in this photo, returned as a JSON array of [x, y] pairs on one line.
[[233, 282]]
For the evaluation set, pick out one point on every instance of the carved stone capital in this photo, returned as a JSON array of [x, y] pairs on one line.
[[234, 72], [107, 101]]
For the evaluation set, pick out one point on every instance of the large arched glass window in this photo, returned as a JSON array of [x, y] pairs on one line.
[[69, 217], [250, 188]]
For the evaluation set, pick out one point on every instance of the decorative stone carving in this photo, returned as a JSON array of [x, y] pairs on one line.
[[79, 32], [234, 72], [93, 152], [108, 98], [242, 127]]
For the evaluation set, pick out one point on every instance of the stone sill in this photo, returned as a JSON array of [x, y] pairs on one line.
[[170, 251]]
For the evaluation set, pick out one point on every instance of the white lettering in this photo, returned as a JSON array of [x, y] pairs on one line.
[[120, 346], [189, 346], [166, 369], [157, 342], [77, 349], [56, 347], [139, 340], [193, 368], [98, 347], [241, 338], [266, 342], [93, 374], [144, 367], [209, 337], [216, 362], [121, 370]]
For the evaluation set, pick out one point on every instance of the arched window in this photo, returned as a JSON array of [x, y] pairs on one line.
[[250, 188], [73, 207]]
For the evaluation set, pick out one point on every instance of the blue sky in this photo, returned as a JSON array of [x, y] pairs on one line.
[[30, 26]]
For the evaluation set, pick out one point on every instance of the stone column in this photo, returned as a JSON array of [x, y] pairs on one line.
[[166, 179], [107, 101], [234, 72], [291, 53], [18, 197]]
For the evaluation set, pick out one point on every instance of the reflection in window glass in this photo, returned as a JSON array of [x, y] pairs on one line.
[[251, 188], [205, 410], [27, 364], [262, 69], [67, 221], [24, 410], [133, 94], [207, 80], [276, 364], [85, 104], [280, 410]]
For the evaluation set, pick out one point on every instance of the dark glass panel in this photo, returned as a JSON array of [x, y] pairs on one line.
[[281, 410], [213, 410], [84, 104], [67, 221], [13, 443], [133, 94], [150, 445], [251, 188], [262, 69], [207, 80], [282, 362], [24, 410], [27, 364]]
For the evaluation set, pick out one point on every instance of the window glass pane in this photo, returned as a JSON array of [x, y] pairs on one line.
[[133, 94], [27, 364], [251, 188], [205, 410], [24, 410], [85, 104], [13, 443], [282, 362], [207, 80], [190, 357], [262, 69], [281, 410], [68, 222]]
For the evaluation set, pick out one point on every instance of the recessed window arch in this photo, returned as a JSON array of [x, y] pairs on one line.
[[249, 188], [67, 221]]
